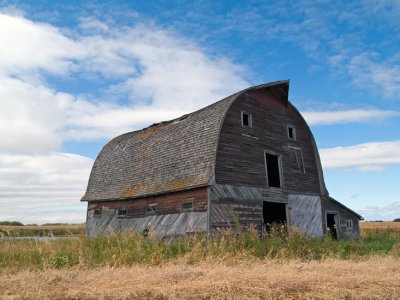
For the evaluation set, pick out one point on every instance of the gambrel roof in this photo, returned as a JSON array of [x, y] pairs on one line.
[[168, 156]]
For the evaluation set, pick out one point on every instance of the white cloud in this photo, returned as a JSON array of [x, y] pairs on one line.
[[107, 121], [165, 70], [367, 71], [30, 184], [381, 213], [365, 157], [30, 117], [29, 46], [155, 74], [162, 74], [371, 168], [347, 116]]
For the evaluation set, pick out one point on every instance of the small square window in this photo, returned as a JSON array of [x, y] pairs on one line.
[[349, 223], [97, 213], [151, 209], [121, 213], [291, 132], [246, 119], [187, 205]]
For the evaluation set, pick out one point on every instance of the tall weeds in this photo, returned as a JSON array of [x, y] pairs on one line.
[[132, 248]]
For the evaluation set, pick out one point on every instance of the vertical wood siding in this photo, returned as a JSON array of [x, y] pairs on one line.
[[232, 206], [235, 206], [240, 153], [306, 214]]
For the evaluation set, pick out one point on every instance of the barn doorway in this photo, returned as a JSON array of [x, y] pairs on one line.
[[274, 213], [331, 225]]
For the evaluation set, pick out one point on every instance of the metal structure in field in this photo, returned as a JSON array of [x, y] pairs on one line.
[[247, 160]]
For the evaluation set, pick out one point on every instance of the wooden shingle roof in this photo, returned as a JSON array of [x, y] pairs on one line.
[[165, 157]]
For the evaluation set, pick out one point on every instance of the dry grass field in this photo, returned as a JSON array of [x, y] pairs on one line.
[[379, 226], [228, 269], [44, 227], [42, 230], [374, 278]]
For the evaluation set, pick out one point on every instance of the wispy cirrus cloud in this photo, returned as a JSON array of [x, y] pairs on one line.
[[349, 38], [384, 212], [367, 70], [348, 116], [364, 157]]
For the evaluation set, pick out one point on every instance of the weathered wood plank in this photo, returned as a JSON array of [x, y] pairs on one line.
[[242, 162], [306, 214], [163, 225]]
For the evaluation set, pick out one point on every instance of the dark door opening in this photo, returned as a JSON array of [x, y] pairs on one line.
[[274, 213], [331, 225], [273, 171]]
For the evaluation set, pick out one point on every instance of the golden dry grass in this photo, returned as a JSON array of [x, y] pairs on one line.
[[373, 278], [216, 277], [393, 226]]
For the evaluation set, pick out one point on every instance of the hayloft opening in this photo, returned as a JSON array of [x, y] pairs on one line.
[[246, 119], [273, 170], [274, 213], [331, 225]]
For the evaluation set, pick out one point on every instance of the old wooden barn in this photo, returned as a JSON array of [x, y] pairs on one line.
[[249, 159]]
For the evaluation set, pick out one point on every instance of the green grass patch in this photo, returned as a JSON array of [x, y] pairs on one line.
[[40, 232], [130, 248]]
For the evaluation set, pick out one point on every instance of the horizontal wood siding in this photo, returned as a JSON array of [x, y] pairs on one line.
[[231, 206], [170, 203], [239, 206], [170, 218], [240, 153], [343, 214]]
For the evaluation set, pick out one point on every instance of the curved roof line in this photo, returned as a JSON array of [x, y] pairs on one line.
[[322, 186], [234, 98], [168, 156]]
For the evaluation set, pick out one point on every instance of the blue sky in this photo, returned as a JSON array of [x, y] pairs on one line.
[[74, 75]]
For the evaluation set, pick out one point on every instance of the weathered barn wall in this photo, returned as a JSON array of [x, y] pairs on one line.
[[344, 232], [209, 170], [231, 206], [240, 153], [170, 217], [306, 214], [169, 225]]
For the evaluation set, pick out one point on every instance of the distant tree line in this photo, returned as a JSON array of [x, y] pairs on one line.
[[11, 223]]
